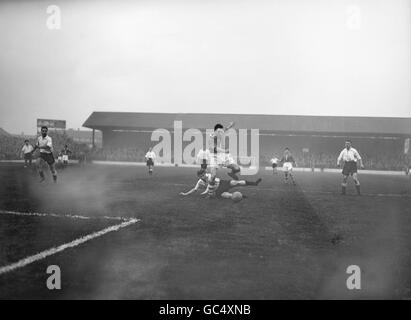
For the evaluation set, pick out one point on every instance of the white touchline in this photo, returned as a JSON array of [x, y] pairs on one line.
[[42, 255], [54, 215]]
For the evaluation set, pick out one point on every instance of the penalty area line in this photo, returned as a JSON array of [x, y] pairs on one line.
[[54, 250]]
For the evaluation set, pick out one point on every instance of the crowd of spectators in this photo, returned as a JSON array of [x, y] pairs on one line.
[[10, 145], [394, 162], [118, 154], [10, 149]]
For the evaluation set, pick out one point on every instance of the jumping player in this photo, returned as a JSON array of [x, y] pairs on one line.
[[150, 157], [45, 145], [288, 163], [219, 155], [350, 156], [220, 188], [27, 153], [274, 164]]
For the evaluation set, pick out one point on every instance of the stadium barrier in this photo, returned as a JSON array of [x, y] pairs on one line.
[[298, 169], [34, 161], [333, 170]]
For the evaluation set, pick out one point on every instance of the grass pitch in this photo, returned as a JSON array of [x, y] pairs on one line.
[[281, 242]]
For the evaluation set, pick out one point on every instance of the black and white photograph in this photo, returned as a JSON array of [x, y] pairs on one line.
[[205, 150]]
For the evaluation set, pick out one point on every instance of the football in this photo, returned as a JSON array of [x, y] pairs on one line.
[[237, 196]]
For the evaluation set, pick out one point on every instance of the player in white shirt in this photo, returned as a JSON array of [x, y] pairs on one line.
[[274, 164], [203, 158], [27, 153], [150, 157], [203, 178], [45, 145], [349, 156]]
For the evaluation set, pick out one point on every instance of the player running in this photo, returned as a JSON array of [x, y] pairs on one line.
[[350, 156], [150, 157], [288, 162], [45, 145], [27, 153]]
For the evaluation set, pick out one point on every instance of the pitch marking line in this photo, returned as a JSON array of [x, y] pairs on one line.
[[70, 216], [52, 251]]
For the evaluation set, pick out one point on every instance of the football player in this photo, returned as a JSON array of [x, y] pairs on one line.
[[349, 156], [288, 162]]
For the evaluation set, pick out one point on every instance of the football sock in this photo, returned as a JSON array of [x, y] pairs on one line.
[[253, 183]]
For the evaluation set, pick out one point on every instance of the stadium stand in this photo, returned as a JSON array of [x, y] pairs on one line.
[[10, 145], [314, 141]]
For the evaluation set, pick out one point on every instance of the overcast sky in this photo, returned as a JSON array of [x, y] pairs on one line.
[[305, 57]]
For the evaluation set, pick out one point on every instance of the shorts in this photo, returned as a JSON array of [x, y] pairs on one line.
[[288, 166], [221, 160], [349, 168], [228, 160], [48, 157], [28, 156], [65, 157], [150, 162], [274, 165]]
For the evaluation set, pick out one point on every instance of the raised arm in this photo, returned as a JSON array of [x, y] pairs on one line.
[[230, 125]]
